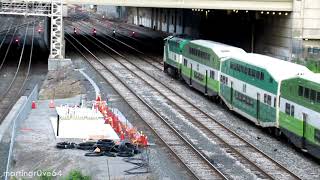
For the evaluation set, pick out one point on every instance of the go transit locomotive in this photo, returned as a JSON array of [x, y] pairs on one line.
[[275, 94]]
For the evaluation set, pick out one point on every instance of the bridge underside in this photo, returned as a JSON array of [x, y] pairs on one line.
[[270, 5]]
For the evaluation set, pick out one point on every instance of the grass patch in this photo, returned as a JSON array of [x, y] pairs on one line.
[[76, 175]]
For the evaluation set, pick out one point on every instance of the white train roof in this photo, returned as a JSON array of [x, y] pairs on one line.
[[279, 69], [314, 77], [221, 50]]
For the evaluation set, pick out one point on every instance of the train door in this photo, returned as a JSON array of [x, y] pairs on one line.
[[231, 93], [305, 121], [258, 106], [190, 80], [206, 85]]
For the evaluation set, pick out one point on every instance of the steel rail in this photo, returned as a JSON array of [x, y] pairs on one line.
[[129, 46], [22, 85], [217, 172], [206, 114], [177, 106], [7, 51], [128, 37], [5, 36]]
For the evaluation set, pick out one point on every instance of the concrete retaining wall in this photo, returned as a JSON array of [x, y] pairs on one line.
[[9, 127], [166, 20]]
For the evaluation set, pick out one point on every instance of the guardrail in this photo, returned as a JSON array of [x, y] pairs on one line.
[[9, 128]]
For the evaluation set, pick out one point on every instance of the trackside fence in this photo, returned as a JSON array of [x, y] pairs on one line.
[[8, 131]]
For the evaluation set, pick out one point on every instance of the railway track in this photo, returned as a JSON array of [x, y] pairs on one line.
[[255, 160], [105, 26], [194, 161], [135, 40], [14, 90], [153, 61]]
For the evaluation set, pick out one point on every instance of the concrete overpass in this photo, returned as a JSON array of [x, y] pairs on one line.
[[267, 5]]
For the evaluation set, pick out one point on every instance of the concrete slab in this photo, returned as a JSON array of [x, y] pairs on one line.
[[35, 149], [56, 64], [83, 129]]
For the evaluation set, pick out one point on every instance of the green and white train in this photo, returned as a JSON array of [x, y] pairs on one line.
[[275, 94]]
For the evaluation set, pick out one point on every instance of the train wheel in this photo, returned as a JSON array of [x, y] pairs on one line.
[[270, 131], [277, 132]]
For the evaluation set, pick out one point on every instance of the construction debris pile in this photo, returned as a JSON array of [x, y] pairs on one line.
[[103, 147], [130, 137]]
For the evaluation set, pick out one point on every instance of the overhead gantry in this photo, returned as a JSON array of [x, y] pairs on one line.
[[51, 9]]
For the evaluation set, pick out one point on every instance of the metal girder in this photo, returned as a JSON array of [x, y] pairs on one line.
[[57, 32], [50, 8], [26, 8]]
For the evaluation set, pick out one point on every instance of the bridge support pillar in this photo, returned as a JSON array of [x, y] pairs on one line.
[[57, 45]]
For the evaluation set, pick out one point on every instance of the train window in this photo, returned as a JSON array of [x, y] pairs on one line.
[[262, 76], [172, 20], [317, 135], [246, 70], [274, 102], [244, 88], [313, 95], [185, 62], [269, 100], [287, 109], [318, 97], [306, 93], [292, 110], [241, 69], [248, 101], [253, 73], [270, 80], [265, 98], [257, 74], [300, 91], [212, 74]]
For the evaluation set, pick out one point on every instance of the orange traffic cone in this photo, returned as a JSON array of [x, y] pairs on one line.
[[33, 105], [121, 136], [51, 104], [119, 129], [145, 142]]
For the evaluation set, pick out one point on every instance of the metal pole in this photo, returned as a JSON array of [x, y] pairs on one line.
[[252, 38], [58, 120]]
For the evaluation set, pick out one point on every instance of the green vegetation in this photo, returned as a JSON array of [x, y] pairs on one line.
[[310, 63], [76, 175], [52, 175]]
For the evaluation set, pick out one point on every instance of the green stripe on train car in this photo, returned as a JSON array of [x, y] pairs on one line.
[[249, 105], [290, 91], [213, 85], [295, 126], [172, 62], [291, 124]]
